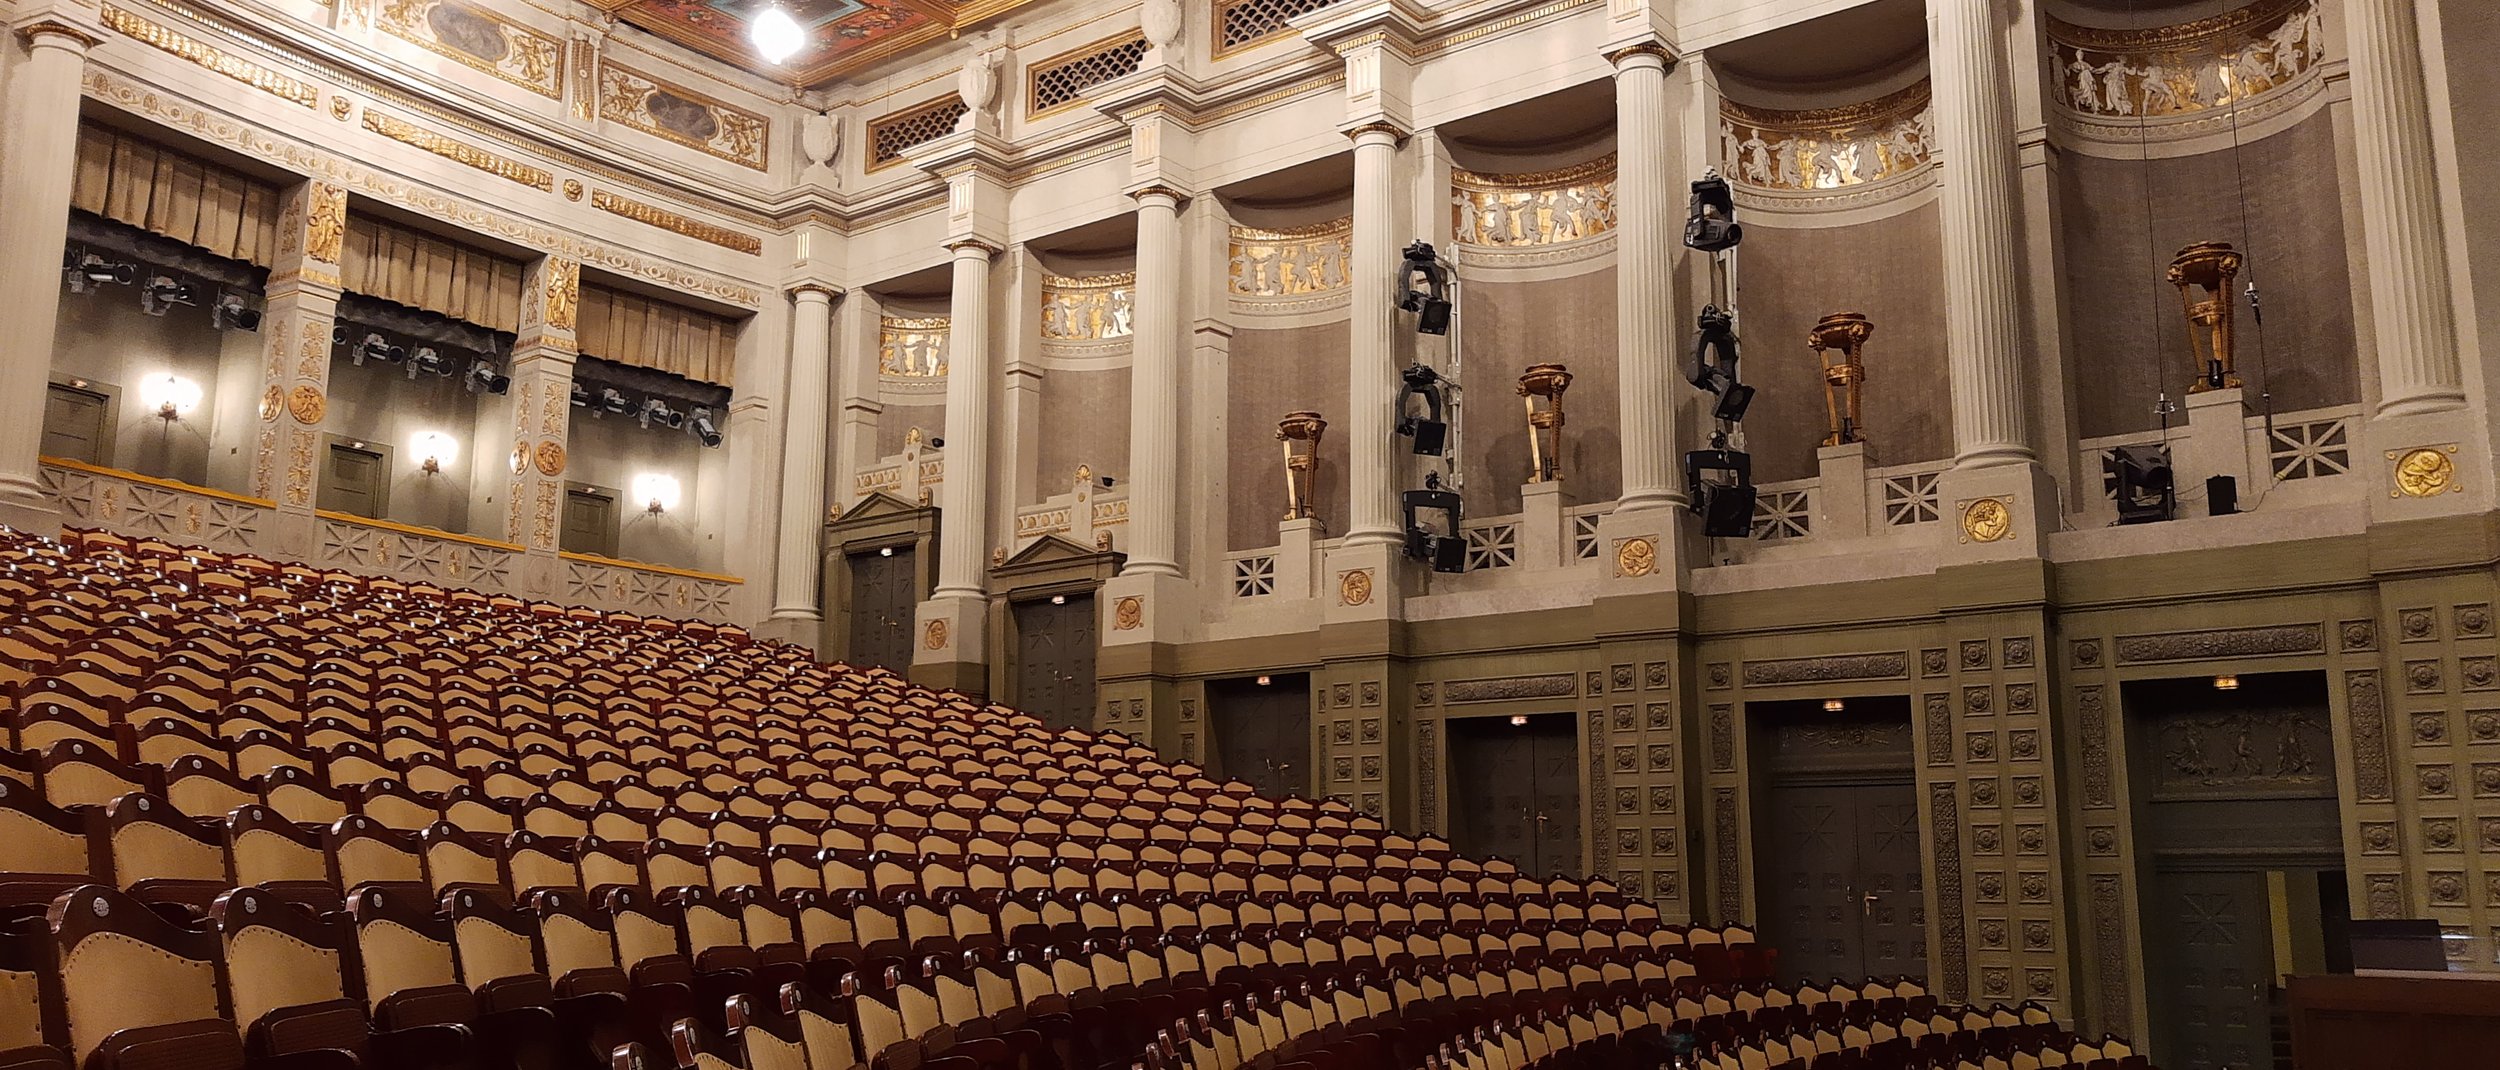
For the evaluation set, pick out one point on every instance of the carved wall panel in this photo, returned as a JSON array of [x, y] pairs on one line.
[[2189, 67], [1827, 148], [1296, 262], [911, 347], [1633, 737], [1534, 209], [1093, 308], [642, 102], [476, 37]]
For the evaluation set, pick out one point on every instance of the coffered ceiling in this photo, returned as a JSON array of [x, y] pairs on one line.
[[843, 35]]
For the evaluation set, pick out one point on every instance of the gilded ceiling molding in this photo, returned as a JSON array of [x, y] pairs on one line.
[[165, 108], [1553, 207], [672, 113], [912, 347], [183, 46], [480, 40], [460, 152], [671, 221], [1827, 148], [1092, 308], [1293, 262], [2187, 67]]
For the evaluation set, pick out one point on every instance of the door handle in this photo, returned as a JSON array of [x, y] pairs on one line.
[[1866, 905]]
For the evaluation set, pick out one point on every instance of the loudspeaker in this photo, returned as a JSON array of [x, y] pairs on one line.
[[1449, 554], [2222, 496], [1727, 510], [1431, 437]]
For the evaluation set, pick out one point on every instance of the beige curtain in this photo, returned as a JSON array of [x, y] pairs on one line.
[[631, 329], [419, 270], [133, 181]]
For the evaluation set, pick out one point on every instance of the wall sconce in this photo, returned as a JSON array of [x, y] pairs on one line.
[[2227, 682], [172, 396], [1305, 428], [658, 493], [1843, 376], [1833, 705], [435, 449], [1519, 720], [2203, 274], [1546, 381]]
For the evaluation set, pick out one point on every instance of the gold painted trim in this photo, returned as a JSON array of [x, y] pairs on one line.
[[412, 529], [408, 133], [1115, 281], [1600, 168], [180, 45], [1898, 104], [671, 221], [915, 323], [2163, 38], [1330, 229], [644, 566], [1479, 32], [156, 481], [1033, 72], [57, 28], [761, 161], [407, 32], [1331, 80]]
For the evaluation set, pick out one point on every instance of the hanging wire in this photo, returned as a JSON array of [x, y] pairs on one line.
[[2256, 306], [2162, 407]]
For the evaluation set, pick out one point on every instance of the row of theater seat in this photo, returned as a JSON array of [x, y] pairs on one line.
[[467, 837]]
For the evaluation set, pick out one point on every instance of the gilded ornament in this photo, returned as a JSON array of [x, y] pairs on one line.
[[520, 459], [325, 222], [1840, 340], [460, 152], [572, 189], [480, 40], [550, 458], [1102, 542], [564, 292], [1986, 520], [1355, 587], [341, 108], [933, 635], [195, 52], [312, 350], [1128, 614], [1827, 148], [671, 221], [1301, 466], [272, 402], [673, 113], [1636, 557], [1546, 383], [1537, 208], [307, 404], [1089, 309], [912, 347], [2203, 274], [2188, 67], [2426, 471], [1290, 262]]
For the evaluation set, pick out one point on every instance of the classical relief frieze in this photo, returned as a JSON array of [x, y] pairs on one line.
[[173, 112], [1554, 685], [460, 152], [477, 38], [912, 346], [2223, 643], [654, 107], [2188, 67], [1827, 148], [1535, 208], [1091, 308], [1290, 263], [675, 223], [1884, 666]]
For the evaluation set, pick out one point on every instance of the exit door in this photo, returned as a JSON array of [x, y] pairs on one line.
[[1054, 670], [884, 595], [356, 482], [1515, 791], [1839, 871]]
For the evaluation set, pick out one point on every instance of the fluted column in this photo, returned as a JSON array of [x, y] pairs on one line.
[[2412, 314], [1982, 214], [1155, 389], [963, 555], [795, 580], [35, 176], [1373, 374], [1645, 251]]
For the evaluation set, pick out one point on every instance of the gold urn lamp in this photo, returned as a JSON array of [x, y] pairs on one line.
[[1544, 382], [2203, 274], [1302, 430], [1840, 339]]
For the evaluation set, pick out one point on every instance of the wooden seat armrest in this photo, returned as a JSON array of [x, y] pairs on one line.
[[202, 1045]]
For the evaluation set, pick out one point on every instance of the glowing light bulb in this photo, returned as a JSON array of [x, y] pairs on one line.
[[776, 35]]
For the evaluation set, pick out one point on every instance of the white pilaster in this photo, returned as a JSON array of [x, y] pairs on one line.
[[35, 177], [795, 581], [963, 557], [1155, 389]]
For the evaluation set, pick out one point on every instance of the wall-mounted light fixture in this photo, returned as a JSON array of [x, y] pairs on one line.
[[434, 450], [2227, 682], [1264, 681], [1519, 720], [1833, 705], [657, 492], [172, 396]]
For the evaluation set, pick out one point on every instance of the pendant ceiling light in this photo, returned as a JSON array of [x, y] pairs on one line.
[[776, 35]]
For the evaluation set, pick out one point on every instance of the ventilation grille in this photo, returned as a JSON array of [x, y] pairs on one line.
[[1242, 23], [1055, 83], [890, 137]]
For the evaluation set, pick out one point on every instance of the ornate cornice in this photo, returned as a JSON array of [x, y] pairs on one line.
[[183, 46], [671, 221], [460, 152]]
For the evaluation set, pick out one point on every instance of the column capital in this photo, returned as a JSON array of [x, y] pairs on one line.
[[1396, 133], [35, 31], [799, 290], [960, 246], [1158, 189], [1638, 53]]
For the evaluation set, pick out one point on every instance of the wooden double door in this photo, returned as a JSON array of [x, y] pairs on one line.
[[885, 594], [1263, 731], [1054, 667], [1514, 791], [1839, 871]]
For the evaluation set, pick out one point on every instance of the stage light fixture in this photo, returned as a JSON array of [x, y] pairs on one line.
[[581, 396], [1429, 432], [483, 378], [1714, 362], [164, 292], [1424, 286], [2139, 477], [376, 347], [1725, 504], [86, 271], [234, 312], [428, 359], [655, 410], [1433, 534], [701, 426], [614, 400], [1711, 227]]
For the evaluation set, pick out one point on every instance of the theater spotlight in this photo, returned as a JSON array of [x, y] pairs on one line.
[[700, 425], [164, 292], [428, 359], [1713, 364], [2139, 477], [483, 378], [1430, 433], [375, 347], [234, 312], [581, 396], [1725, 503], [1440, 542], [657, 411], [1711, 227], [1424, 287], [86, 271], [614, 400]]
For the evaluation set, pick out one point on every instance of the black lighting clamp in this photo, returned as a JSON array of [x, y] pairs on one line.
[[1720, 478]]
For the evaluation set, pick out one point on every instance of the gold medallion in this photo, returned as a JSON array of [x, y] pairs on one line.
[[1986, 520], [1355, 588], [1635, 558], [2423, 472]]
